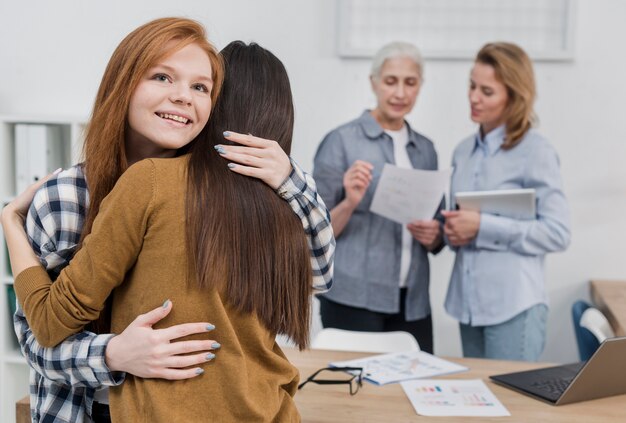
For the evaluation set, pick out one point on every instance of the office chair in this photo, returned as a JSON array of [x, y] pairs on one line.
[[591, 328], [374, 342]]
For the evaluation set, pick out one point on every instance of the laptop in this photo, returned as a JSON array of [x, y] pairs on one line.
[[516, 203], [603, 375]]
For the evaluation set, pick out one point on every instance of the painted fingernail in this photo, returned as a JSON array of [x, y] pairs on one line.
[[210, 327], [219, 149], [210, 356], [57, 171], [215, 345], [199, 371], [166, 303], [226, 134], [231, 165]]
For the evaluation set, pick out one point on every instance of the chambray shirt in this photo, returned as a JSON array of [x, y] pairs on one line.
[[501, 273], [367, 256]]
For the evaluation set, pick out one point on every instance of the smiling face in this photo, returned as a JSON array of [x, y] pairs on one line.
[[488, 97], [170, 105], [396, 89]]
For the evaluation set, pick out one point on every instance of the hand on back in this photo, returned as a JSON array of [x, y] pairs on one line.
[[150, 353]]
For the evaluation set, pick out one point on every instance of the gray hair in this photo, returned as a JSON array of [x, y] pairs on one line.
[[394, 50]]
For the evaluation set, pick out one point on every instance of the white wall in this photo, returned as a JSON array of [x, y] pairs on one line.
[[54, 52]]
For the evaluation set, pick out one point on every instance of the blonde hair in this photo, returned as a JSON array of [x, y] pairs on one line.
[[514, 69]]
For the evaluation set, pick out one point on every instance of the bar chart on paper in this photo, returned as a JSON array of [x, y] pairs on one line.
[[453, 398]]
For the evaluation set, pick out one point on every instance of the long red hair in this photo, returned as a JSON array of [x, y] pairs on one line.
[[104, 150]]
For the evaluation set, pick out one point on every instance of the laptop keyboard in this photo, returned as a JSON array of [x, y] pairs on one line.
[[555, 387]]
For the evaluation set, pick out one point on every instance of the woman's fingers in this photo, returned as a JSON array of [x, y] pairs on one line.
[[248, 140], [229, 150], [190, 347], [182, 361], [255, 172], [184, 329], [246, 158], [179, 374]]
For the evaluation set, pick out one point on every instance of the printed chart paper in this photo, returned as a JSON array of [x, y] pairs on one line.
[[439, 397], [405, 195], [395, 367]]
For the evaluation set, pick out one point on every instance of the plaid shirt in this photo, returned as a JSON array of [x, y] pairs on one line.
[[63, 379]]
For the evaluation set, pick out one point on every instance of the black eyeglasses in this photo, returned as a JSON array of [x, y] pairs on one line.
[[354, 378]]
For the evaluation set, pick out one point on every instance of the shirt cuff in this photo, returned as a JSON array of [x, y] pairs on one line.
[[293, 184], [98, 363], [494, 232]]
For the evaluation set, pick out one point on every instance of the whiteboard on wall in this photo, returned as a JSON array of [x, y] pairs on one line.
[[456, 29]]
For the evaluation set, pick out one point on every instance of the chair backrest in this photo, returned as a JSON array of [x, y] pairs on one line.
[[591, 328], [375, 342], [596, 322]]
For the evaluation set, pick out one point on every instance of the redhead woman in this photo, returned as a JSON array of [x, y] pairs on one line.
[[497, 288], [155, 97]]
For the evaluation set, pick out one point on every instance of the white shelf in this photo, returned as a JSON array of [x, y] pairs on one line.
[[13, 367], [14, 357], [45, 120]]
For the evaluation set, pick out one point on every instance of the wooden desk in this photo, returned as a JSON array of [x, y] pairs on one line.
[[389, 404], [22, 411], [610, 298]]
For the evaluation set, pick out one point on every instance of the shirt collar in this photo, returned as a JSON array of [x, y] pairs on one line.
[[374, 131], [491, 142]]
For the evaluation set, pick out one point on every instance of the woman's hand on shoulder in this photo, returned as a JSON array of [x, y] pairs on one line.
[[256, 157], [150, 353]]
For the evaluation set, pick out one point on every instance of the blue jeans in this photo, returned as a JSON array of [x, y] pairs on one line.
[[520, 338]]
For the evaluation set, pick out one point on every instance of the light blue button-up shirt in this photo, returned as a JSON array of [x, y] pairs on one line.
[[501, 273]]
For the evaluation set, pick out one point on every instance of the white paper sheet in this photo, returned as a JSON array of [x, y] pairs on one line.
[[438, 397], [405, 195], [395, 367]]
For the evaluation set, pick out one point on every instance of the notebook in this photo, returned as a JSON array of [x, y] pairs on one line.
[[603, 375]]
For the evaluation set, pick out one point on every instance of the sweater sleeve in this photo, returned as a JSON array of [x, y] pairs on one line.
[[56, 311]]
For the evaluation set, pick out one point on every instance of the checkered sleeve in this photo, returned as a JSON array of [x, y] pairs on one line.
[[300, 191], [53, 225]]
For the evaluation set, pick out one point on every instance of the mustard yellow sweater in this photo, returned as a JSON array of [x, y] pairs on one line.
[[137, 253]]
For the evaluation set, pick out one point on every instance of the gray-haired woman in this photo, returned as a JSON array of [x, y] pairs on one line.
[[381, 268]]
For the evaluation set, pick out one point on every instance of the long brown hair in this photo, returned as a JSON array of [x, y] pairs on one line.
[[105, 137], [242, 238], [514, 69]]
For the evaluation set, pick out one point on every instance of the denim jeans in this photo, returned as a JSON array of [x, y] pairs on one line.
[[520, 338]]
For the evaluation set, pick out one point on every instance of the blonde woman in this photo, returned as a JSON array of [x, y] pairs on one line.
[[497, 288]]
